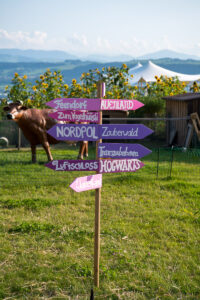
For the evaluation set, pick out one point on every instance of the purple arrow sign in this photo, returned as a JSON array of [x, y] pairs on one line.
[[93, 132], [75, 132], [119, 165], [76, 116], [86, 183], [117, 150], [75, 104], [102, 166], [73, 165], [119, 104], [120, 131]]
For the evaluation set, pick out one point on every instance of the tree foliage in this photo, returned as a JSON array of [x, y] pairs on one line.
[[51, 85]]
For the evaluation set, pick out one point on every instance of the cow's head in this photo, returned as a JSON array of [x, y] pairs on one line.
[[14, 110]]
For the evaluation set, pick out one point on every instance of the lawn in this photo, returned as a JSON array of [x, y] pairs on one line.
[[149, 230]]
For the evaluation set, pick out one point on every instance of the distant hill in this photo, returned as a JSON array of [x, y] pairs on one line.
[[56, 56], [18, 55], [74, 68], [107, 58], [168, 54]]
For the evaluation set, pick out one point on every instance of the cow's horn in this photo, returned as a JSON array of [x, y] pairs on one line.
[[19, 102]]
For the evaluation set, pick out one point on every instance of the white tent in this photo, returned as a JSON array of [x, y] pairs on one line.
[[132, 70], [150, 70]]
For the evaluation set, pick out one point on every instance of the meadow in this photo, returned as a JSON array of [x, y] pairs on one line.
[[149, 230]]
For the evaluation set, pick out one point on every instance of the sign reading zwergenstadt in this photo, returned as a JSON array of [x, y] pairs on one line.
[[76, 116], [93, 132], [75, 104], [86, 183], [119, 150]]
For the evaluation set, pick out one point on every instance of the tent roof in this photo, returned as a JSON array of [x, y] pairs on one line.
[[132, 70], [150, 70]]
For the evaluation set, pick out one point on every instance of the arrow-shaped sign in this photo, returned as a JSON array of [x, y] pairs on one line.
[[73, 165], [94, 104], [101, 166], [75, 104], [120, 104], [92, 132], [86, 183], [118, 150], [76, 116]]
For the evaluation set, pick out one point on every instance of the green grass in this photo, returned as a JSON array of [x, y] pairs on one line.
[[149, 230]]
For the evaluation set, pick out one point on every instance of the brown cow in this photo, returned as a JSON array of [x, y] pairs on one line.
[[34, 124]]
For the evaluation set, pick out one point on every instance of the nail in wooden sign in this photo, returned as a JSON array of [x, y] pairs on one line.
[[118, 150], [76, 116], [86, 183], [93, 132]]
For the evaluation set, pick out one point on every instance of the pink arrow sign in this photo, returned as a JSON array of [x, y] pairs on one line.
[[119, 165], [120, 104], [76, 116], [86, 183], [75, 104]]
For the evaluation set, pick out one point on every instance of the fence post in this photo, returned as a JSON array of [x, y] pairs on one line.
[[172, 159], [19, 138], [158, 160]]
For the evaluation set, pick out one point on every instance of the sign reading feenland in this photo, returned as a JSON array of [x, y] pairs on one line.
[[119, 150], [86, 183], [100, 166], [76, 116], [94, 104], [93, 132]]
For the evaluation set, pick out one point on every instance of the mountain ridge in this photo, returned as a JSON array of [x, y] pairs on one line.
[[31, 55]]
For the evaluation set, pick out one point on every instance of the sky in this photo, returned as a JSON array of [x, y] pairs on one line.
[[108, 27]]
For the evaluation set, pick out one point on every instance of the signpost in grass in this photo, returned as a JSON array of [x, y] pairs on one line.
[[110, 157]]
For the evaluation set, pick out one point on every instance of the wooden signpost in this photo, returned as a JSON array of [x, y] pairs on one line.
[[110, 157]]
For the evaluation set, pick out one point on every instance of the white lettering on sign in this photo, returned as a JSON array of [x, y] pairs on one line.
[[73, 166], [121, 165], [115, 153], [76, 132], [88, 184], [75, 105], [116, 105], [72, 116], [115, 132]]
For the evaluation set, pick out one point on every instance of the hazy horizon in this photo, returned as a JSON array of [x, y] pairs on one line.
[[108, 28]]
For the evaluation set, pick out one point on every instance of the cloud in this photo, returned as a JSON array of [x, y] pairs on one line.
[[80, 44], [23, 39]]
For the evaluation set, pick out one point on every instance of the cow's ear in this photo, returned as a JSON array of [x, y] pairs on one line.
[[23, 108], [6, 108]]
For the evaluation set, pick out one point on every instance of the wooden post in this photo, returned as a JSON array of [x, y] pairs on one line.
[[19, 138], [100, 94]]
